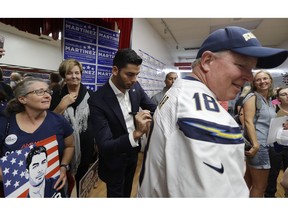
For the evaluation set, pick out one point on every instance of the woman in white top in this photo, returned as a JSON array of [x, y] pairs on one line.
[[278, 153]]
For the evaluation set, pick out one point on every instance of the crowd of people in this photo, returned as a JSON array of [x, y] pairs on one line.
[[192, 139]]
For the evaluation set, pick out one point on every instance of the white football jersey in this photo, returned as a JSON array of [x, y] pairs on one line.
[[196, 148]]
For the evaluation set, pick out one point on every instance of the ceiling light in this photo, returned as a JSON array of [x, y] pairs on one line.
[[168, 30]]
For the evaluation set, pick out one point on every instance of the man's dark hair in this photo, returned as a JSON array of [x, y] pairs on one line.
[[35, 151], [126, 56]]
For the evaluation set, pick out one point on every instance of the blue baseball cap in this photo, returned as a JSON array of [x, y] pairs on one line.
[[242, 41]]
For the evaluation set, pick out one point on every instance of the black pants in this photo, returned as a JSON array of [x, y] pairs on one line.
[[122, 185], [278, 159]]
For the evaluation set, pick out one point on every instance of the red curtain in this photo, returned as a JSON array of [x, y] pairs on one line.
[[52, 25], [31, 25], [55, 25], [125, 26]]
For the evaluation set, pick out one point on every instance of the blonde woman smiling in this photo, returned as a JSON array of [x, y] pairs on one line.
[[258, 112]]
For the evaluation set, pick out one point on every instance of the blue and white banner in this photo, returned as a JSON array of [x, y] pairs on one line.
[[89, 73], [95, 47], [81, 31], [106, 56], [108, 38], [80, 51], [103, 74]]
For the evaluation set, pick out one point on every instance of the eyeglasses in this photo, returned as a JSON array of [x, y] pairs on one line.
[[40, 92], [283, 94]]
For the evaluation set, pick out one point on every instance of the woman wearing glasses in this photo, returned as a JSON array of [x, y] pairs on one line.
[[279, 153], [29, 121], [258, 112], [71, 101]]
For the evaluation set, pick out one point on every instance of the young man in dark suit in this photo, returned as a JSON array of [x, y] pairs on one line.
[[118, 124]]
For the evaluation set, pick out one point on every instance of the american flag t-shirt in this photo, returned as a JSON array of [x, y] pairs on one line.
[[14, 167]]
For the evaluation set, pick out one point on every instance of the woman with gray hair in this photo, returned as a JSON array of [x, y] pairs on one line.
[[28, 121]]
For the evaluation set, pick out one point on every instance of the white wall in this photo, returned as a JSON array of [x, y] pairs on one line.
[[30, 53], [284, 45], [24, 51], [283, 68], [145, 38]]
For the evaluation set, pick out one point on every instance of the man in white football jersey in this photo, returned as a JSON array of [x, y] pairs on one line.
[[196, 148]]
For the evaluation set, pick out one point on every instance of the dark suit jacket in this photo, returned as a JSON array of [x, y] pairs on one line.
[[110, 129]]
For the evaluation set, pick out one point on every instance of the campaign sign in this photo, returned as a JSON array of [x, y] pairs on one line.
[[81, 31], [103, 74], [106, 56], [32, 171], [41, 75], [90, 87], [88, 181], [108, 38], [89, 73], [80, 51], [7, 73]]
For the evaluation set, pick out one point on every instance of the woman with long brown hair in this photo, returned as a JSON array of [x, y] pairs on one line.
[[28, 121]]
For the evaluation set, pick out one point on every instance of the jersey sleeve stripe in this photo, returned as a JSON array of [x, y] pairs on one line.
[[202, 130]]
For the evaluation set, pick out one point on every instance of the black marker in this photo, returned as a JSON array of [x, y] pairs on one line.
[[135, 113]]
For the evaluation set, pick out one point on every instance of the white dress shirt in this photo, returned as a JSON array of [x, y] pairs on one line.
[[125, 104]]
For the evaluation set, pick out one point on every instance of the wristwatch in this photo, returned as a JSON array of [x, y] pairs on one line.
[[67, 167]]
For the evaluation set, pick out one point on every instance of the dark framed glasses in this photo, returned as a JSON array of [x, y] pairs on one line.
[[40, 92]]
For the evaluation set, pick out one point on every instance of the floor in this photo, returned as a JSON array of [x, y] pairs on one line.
[[100, 189], [280, 191]]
